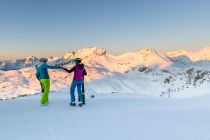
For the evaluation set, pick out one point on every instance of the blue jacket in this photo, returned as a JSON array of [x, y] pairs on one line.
[[42, 72]]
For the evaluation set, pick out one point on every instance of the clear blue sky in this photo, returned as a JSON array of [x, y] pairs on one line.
[[52, 27]]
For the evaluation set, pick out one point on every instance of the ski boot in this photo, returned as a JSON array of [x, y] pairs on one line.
[[72, 104], [80, 104]]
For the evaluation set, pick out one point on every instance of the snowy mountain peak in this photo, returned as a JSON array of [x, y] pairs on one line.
[[18, 63], [153, 57], [30, 59], [203, 54], [147, 51], [178, 53], [206, 49], [86, 53]]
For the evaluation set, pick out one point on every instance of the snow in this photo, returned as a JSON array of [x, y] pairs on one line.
[[107, 116]]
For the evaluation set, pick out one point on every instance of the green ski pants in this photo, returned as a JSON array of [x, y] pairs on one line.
[[46, 85]]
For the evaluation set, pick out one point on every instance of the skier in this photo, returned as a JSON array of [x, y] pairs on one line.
[[43, 76], [79, 73]]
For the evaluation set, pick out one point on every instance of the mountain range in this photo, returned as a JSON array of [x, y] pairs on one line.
[[147, 71]]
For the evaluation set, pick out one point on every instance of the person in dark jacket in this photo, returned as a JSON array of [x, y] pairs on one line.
[[43, 76], [79, 72]]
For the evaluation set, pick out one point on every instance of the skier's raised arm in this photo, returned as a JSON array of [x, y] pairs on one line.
[[49, 67], [69, 71]]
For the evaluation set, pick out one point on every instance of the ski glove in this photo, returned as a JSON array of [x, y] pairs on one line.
[[60, 67]]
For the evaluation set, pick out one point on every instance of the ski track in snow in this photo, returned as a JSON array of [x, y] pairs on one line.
[[106, 117]]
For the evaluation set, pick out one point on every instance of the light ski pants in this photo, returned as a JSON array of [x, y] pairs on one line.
[[75, 84], [46, 86]]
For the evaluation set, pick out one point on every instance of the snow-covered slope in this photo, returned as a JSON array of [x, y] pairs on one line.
[[106, 117], [145, 72]]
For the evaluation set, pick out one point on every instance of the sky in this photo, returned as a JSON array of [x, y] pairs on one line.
[[53, 27]]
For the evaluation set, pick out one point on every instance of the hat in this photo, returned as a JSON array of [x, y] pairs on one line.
[[78, 60], [44, 60]]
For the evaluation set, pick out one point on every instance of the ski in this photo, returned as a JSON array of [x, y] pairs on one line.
[[62, 62], [83, 89]]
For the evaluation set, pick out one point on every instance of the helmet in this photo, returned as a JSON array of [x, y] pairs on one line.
[[44, 60], [77, 60]]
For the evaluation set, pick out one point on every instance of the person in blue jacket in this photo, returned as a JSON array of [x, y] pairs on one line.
[[43, 76]]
